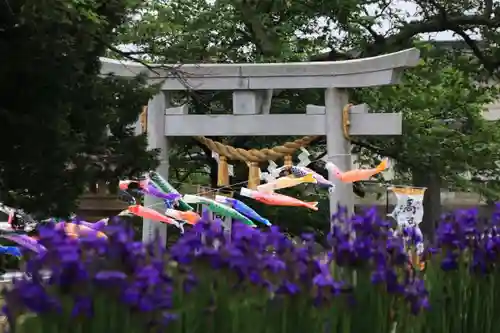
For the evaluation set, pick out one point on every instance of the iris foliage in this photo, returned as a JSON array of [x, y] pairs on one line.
[[255, 281]]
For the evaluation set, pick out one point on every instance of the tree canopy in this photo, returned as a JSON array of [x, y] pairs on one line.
[[63, 125]]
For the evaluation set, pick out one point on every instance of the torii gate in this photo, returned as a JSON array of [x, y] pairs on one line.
[[252, 85]]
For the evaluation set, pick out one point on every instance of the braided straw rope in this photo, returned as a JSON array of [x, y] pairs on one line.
[[253, 157], [274, 153], [256, 155], [346, 122]]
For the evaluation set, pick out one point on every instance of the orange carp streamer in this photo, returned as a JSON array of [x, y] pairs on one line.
[[77, 230], [151, 214], [357, 174], [189, 217]]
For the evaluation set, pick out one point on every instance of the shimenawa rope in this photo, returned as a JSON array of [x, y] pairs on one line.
[[253, 157]]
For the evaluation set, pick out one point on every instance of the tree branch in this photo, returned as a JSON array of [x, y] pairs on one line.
[[436, 24], [488, 8], [174, 70], [257, 30], [125, 54], [489, 65], [377, 38], [409, 30]]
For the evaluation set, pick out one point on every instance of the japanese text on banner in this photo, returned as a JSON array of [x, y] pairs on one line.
[[409, 210]]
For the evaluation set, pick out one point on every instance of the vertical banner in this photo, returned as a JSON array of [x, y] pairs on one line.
[[409, 210]]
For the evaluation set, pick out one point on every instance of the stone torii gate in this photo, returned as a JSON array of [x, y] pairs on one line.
[[252, 85]]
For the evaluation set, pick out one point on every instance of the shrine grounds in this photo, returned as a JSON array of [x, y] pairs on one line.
[[260, 281]]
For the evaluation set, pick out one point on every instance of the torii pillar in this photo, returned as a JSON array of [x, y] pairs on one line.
[[253, 85]]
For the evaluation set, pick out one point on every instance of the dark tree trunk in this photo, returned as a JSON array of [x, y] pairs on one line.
[[432, 200]]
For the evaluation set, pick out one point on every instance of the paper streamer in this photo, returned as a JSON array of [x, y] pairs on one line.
[[273, 171], [409, 211], [224, 169]]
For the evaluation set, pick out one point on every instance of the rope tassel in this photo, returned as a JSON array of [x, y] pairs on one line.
[[223, 172], [253, 175]]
